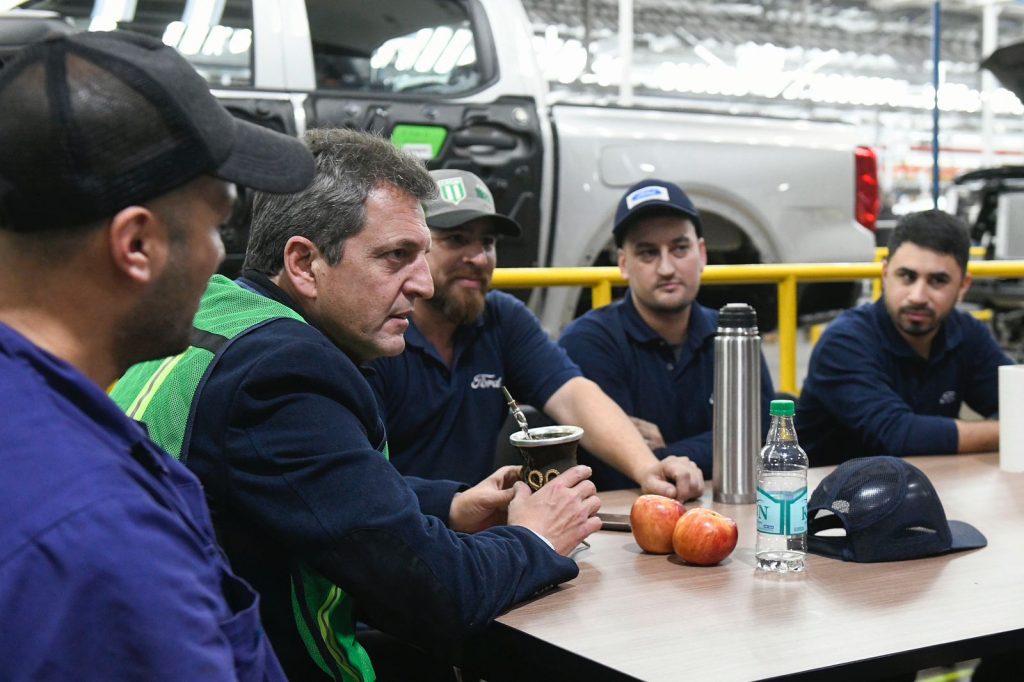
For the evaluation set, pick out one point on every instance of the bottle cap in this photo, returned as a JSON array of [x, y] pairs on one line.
[[782, 408], [736, 315]]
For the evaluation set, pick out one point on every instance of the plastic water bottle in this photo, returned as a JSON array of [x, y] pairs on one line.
[[781, 496]]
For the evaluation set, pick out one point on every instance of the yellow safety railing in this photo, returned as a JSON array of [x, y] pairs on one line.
[[784, 276]]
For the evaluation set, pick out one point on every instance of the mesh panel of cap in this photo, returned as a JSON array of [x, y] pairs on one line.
[[90, 138], [96, 100], [97, 121], [868, 494]]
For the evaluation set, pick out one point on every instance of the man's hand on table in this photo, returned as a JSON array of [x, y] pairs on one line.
[[563, 511], [675, 477]]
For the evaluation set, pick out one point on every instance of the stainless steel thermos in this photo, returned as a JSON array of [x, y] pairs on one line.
[[737, 405]]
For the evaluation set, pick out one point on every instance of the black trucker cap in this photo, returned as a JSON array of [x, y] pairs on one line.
[[95, 122], [890, 512], [653, 196]]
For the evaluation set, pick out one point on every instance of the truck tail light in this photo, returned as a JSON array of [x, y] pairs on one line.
[[867, 200]]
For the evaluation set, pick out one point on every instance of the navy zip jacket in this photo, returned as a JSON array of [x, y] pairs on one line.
[[868, 393], [109, 569], [288, 441], [635, 366]]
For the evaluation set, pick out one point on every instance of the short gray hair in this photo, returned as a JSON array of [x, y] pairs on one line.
[[349, 165]]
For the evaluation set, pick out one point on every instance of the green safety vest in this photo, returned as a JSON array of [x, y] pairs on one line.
[[164, 393]]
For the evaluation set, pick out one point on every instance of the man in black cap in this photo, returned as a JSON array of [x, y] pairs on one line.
[[443, 398], [653, 351], [115, 175]]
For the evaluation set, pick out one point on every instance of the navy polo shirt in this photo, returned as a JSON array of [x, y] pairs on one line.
[[109, 568], [634, 365], [868, 393], [443, 421]]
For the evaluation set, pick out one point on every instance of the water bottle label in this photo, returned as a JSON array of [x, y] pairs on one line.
[[782, 512]]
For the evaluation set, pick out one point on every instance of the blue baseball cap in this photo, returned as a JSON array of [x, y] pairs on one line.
[[653, 196], [889, 510]]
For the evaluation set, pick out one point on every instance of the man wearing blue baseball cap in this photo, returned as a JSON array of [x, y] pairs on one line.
[[442, 396], [653, 351]]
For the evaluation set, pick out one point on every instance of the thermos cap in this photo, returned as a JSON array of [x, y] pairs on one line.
[[737, 316], [782, 408]]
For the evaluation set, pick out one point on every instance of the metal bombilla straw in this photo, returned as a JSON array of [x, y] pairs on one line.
[[517, 413]]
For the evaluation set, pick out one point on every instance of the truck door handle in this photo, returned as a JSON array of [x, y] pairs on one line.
[[495, 139]]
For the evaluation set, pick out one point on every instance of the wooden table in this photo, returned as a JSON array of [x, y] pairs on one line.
[[632, 615]]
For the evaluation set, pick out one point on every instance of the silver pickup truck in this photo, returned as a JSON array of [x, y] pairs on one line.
[[456, 82]]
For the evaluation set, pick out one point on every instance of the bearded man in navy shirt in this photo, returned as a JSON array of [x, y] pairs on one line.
[[442, 397], [890, 377]]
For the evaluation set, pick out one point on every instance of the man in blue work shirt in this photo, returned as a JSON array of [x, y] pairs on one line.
[[443, 398], [653, 351], [115, 177], [890, 377]]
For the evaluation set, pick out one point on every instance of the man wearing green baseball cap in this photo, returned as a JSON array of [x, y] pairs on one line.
[[442, 397]]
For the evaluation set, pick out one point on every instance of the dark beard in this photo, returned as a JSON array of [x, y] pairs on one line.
[[455, 310], [919, 328], [918, 331]]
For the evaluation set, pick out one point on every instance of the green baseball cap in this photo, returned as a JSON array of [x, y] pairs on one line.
[[464, 197]]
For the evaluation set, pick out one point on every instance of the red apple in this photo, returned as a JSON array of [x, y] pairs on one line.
[[704, 537], [653, 518]]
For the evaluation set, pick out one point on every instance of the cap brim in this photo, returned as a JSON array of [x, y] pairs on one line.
[[267, 160], [451, 219], [965, 536]]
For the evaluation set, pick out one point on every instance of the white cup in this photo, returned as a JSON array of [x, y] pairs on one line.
[[1011, 418]]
